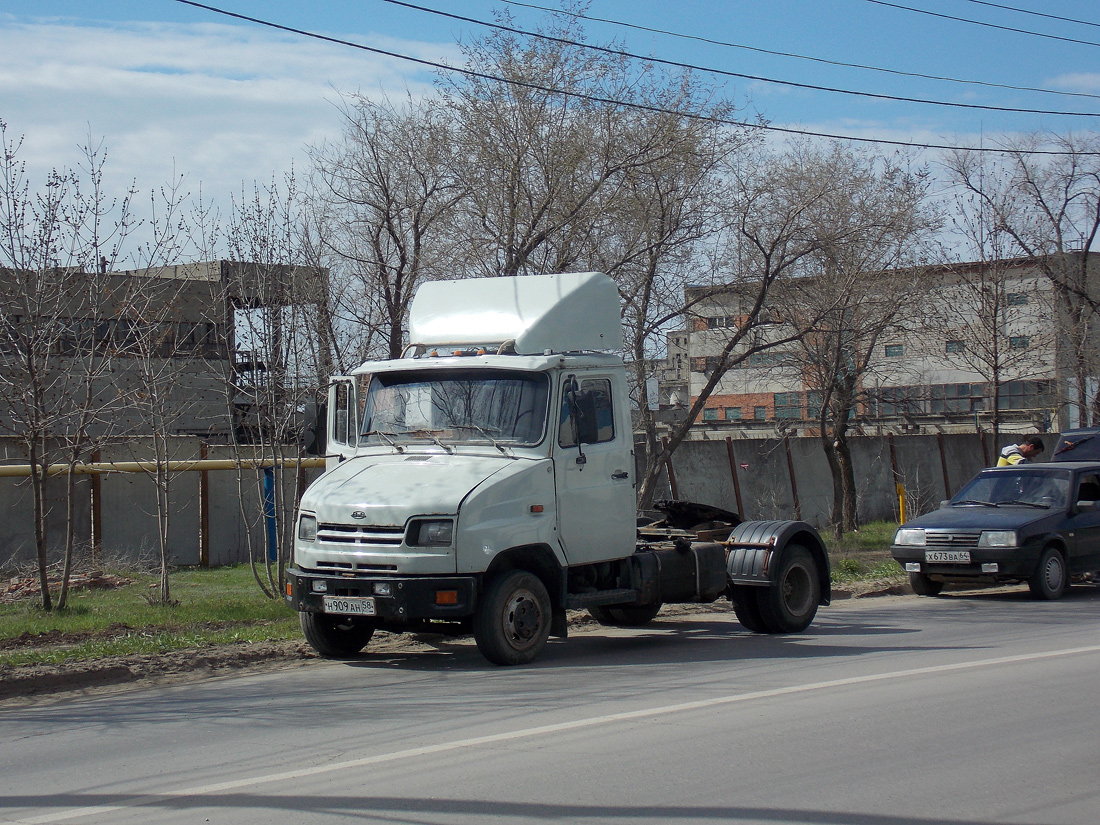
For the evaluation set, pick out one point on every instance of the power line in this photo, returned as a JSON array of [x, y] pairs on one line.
[[1035, 13], [759, 50], [981, 23], [739, 75], [597, 99]]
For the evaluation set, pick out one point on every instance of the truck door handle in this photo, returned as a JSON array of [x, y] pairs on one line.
[[620, 475]]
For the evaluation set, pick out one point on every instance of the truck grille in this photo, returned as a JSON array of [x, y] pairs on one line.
[[952, 538], [361, 535]]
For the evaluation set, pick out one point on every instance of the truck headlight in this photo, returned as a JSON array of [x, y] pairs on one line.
[[430, 533], [910, 537], [997, 538], [307, 528]]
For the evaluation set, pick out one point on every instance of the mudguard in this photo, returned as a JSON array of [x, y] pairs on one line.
[[753, 546]]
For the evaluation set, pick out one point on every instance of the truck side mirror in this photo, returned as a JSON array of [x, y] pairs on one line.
[[313, 429], [572, 399]]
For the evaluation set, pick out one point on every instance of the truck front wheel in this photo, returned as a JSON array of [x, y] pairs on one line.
[[512, 622], [335, 637], [791, 603]]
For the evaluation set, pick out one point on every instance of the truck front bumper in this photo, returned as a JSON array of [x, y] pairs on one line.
[[395, 599]]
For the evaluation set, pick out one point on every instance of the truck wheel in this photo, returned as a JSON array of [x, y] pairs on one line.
[[632, 616], [791, 603], [512, 622], [924, 586], [747, 608], [335, 637], [1049, 582]]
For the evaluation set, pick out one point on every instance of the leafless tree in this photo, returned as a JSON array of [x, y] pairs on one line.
[[57, 243], [1049, 206], [386, 195], [863, 281]]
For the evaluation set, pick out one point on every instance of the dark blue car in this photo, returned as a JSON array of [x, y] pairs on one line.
[[1034, 523]]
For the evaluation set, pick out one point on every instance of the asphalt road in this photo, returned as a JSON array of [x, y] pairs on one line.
[[977, 709]]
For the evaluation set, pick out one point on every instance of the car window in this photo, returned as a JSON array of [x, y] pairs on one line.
[[1046, 488], [1089, 488]]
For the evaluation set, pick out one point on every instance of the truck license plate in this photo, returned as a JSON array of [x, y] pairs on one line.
[[349, 605], [947, 556]]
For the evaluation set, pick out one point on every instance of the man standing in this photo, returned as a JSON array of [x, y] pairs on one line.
[[1021, 453]]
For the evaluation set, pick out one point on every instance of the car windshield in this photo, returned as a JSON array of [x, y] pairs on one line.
[[499, 407], [1016, 487]]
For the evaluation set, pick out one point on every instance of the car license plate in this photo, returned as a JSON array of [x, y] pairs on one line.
[[349, 605], [947, 556]]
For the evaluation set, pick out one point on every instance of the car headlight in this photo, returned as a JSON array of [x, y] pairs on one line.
[[430, 533], [997, 538], [910, 537], [307, 528]]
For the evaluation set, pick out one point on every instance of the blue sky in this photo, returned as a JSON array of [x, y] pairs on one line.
[[170, 88]]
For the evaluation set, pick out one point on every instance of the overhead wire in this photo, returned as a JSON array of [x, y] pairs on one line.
[[724, 73], [773, 53], [982, 23], [598, 99], [1035, 13]]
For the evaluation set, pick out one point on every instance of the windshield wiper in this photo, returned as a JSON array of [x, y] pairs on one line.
[[447, 448], [498, 445], [385, 438], [1023, 503], [973, 501]]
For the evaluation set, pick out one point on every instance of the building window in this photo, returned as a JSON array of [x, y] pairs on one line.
[[895, 401], [957, 398], [1027, 395], [955, 346], [895, 350], [760, 413], [733, 413], [1016, 299], [1019, 342], [710, 413], [767, 358], [788, 405]]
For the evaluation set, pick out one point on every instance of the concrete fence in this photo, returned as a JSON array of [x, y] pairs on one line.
[[215, 514]]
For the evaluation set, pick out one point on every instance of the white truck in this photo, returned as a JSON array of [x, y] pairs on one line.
[[485, 482]]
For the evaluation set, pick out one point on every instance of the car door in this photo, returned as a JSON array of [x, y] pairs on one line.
[[1083, 527], [594, 469]]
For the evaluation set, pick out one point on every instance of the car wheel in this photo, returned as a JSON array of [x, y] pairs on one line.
[[790, 604], [1050, 580], [924, 586], [747, 608], [632, 616], [335, 637], [512, 622]]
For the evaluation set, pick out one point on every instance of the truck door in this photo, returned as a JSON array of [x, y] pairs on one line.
[[594, 468], [343, 420]]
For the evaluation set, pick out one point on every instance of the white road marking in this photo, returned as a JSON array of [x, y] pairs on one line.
[[542, 730]]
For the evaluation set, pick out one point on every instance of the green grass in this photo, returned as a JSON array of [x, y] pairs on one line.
[[211, 607], [864, 554]]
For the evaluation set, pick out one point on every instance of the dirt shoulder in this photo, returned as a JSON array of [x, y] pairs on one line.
[[25, 684]]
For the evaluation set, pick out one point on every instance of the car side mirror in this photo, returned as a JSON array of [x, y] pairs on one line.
[[944, 503], [1086, 506]]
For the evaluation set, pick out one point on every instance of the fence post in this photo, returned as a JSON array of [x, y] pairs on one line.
[[204, 510], [790, 472], [736, 480], [671, 475]]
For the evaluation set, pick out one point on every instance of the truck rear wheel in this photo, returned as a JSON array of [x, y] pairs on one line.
[[512, 622], [747, 608], [335, 637], [791, 603], [632, 616]]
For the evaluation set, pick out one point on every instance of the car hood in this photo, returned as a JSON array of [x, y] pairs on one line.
[[976, 517], [388, 489]]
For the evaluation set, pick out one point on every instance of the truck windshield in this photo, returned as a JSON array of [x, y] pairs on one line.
[[488, 406], [1022, 487]]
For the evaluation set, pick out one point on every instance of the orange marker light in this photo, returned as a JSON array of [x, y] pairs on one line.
[[536, 508], [446, 597]]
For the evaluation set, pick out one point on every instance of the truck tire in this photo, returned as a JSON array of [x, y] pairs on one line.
[[747, 608], [1050, 580], [335, 637], [790, 604], [512, 622], [924, 586], [632, 616]]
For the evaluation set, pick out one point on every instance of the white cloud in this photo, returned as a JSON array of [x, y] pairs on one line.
[[221, 104], [1088, 82]]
